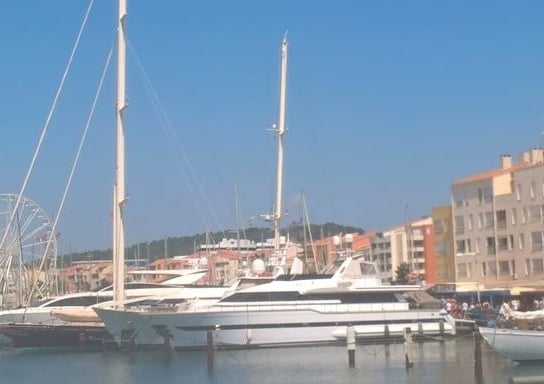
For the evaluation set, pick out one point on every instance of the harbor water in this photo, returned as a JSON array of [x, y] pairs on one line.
[[451, 361]]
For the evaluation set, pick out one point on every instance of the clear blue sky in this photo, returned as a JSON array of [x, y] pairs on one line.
[[388, 103]]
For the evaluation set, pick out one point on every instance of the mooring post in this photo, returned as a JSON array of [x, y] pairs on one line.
[[209, 342], [478, 370], [408, 344], [350, 342]]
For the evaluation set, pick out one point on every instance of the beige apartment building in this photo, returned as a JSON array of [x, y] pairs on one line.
[[443, 242], [498, 223], [411, 243]]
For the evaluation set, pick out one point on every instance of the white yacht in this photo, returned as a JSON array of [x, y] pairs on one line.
[[293, 309]]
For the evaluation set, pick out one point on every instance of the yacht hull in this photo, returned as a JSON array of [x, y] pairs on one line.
[[265, 327], [25, 335]]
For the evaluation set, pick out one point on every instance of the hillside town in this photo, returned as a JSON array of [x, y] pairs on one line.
[[489, 238]]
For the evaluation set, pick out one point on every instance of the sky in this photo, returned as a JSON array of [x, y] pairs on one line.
[[388, 103]]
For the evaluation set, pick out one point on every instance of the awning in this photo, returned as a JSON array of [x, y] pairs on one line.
[[516, 291]]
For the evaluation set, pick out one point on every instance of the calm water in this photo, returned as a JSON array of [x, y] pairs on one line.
[[448, 362]]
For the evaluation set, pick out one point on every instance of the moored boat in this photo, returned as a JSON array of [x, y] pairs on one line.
[[291, 310]]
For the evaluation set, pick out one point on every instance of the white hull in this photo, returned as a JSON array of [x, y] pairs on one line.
[[515, 344], [52, 313], [265, 327]]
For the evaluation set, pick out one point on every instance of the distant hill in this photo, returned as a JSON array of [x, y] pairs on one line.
[[175, 246]]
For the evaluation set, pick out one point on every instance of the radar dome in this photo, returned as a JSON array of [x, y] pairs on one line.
[[257, 266]]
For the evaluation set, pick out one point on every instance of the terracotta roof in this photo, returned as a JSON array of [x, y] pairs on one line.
[[488, 174]]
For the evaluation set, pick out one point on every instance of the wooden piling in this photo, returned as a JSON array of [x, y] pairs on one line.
[[350, 342], [408, 345], [209, 342], [478, 370]]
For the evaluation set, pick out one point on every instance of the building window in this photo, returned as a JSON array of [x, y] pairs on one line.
[[521, 242], [488, 219], [518, 192], [504, 268], [470, 222], [459, 225], [527, 266], [535, 216], [501, 219], [502, 242], [477, 246], [490, 243], [480, 220], [488, 195], [461, 250], [491, 268], [532, 189], [468, 246], [438, 227], [484, 269], [536, 241], [462, 270], [524, 215], [514, 216], [538, 267]]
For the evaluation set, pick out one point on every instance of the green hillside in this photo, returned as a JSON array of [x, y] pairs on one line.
[[174, 246]]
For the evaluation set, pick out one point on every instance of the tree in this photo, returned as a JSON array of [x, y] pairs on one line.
[[402, 273]]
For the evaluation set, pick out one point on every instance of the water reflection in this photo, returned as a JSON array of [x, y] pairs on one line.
[[447, 362]]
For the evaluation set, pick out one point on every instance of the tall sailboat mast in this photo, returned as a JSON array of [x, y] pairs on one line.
[[119, 185], [280, 130]]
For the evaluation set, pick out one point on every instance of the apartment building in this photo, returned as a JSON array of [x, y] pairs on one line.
[[497, 222], [444, 260], [412, 243]]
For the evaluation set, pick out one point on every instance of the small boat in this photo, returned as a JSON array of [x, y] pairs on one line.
[[519, 336], [522, 345]]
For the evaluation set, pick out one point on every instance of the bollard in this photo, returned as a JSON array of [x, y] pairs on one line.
[[408, 347], [350, 342], [209, 342], [478, 370]]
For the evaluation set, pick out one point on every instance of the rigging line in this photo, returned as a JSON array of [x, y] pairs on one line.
[[90, 116], [171, 132], [161, 118], [47, 122], [169, 127]]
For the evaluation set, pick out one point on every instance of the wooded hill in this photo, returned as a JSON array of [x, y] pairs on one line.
[[185, 245]]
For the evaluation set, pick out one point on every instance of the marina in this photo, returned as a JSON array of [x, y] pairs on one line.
[[455, 295]]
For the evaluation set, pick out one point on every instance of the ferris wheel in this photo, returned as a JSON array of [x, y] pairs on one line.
[[28, 244]]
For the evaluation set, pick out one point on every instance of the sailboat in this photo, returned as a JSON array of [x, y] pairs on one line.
[[70, 334], [523, 338], [70, 320]]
